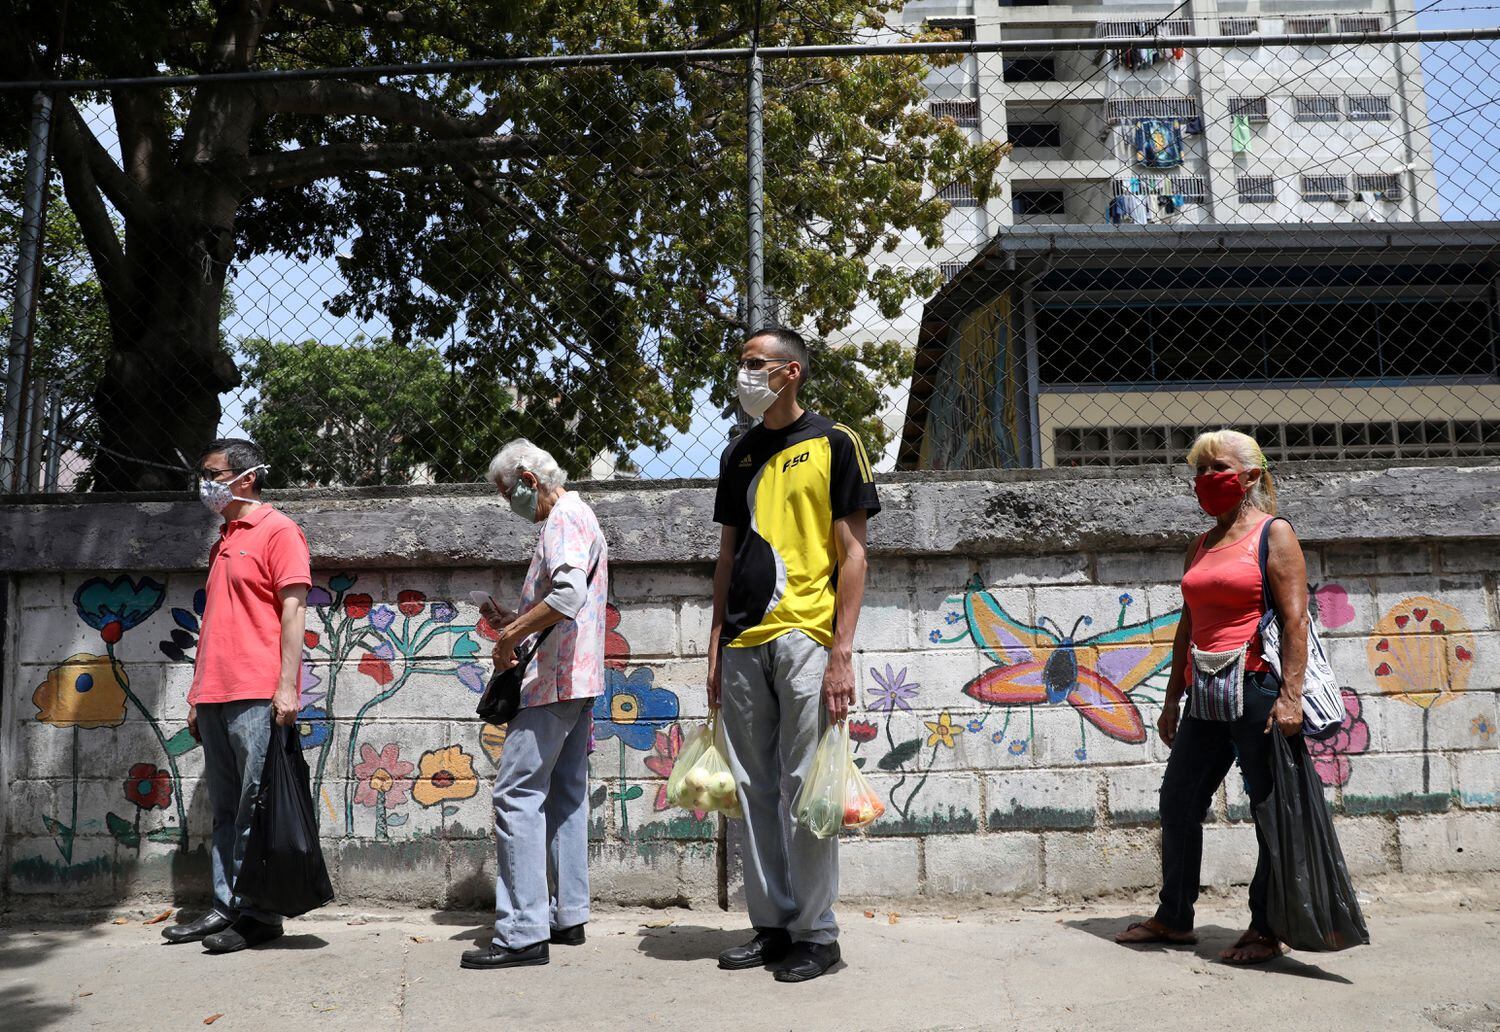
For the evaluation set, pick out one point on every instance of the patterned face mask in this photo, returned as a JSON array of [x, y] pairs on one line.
[[216, 496]]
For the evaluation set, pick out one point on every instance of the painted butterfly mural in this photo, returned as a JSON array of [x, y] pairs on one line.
[[1043, 664]]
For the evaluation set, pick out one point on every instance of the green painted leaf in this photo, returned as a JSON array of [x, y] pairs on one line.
[[182, 742], [166, 833], [450, 809], [633, 792], [121, 829], [54, 826], [859, 761], [599, 797], [395, 820], [903, 753], [465, 647]]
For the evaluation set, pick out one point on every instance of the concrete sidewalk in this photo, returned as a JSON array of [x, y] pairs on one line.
[[1433, 966]]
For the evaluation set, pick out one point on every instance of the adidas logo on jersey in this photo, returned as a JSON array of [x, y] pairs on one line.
[[746, 462]]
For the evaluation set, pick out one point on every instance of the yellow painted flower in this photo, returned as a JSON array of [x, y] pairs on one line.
[[444, 774], [942, 731], [82, 691], [492, 741]]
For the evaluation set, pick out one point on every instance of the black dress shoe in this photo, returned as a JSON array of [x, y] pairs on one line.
[[568, 936], [196, 931], [493, 956], [768, 946], [806, 961], [241, 935]]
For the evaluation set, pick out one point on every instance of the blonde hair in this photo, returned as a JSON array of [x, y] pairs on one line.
[[1244, 448]]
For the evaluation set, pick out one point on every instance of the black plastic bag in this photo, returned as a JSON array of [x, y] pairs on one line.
[[283, 871], [1312, 905]]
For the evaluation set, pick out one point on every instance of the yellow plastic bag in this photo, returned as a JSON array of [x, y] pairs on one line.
[[707, 785], [820, 805], [862, 806]]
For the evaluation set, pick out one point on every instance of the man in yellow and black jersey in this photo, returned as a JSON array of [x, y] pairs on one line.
[[793, 499]]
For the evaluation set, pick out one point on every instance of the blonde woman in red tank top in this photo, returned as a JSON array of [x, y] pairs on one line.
[[1222, 607]]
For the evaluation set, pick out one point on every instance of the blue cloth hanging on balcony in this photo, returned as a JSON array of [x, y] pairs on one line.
[[1158, 143]]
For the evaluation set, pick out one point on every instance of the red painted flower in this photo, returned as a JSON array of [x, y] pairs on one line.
[[1331, 756], [616, 648], [358, 606], [112, 631], [311, 639], [411, 602], [862, 731], [147, 786], [376, 669], [664, 758], [487, 629]]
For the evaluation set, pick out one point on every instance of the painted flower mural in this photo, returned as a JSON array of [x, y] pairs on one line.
[[663, 759], [148, 786], [114, 607], [384, 780], [444, 775], [492, 741], [313, 726], [892, 690], [83, 691], [1331, 756], [942, 731], [632, 708]]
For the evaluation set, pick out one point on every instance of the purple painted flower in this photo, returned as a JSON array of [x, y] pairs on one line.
[[893, 690], [381, 618], [976, 725], [472, 676], [1017, 746], [442, 612], [935, 636], [319, 597], [386, 651], [310, 680]]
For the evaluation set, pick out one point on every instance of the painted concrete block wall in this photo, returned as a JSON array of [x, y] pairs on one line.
[[992, 785]]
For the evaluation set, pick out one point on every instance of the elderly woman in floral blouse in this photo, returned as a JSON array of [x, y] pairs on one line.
[[541, 788]]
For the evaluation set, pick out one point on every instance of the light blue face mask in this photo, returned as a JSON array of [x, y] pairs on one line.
[[523, 500]]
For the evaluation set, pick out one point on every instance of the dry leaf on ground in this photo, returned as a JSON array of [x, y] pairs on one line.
[[658, 922], [212, 1018], [869, 913], [892, 918], [159, 918], [122, 920], [421, 938]]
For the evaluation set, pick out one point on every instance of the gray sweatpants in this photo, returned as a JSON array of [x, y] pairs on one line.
[[771, 697]]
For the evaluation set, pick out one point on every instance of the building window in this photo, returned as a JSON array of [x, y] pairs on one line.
[[1368, 108], [1325, 188], [1035, 134], [1194, 189], [1307, 26], [960, 195], [1152, 107], [1029, 69], [1238, 26], [1385, 187], [1256, 189], [1361, 23], [963, 26], [1038, 202], [963, 112], [1253, 108], [1144, 28], [950, 271], [1317, 109]]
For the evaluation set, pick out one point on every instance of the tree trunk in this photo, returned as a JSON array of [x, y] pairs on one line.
[[159, 394]]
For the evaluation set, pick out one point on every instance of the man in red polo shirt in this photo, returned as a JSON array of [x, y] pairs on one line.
[[247, 673]]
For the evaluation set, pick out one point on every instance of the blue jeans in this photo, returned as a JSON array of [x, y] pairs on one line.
[[542, 823], [1202, 754], [235, 736]]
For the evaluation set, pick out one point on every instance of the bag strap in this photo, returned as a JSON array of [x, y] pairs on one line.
[[1268, 603], [588, 583]]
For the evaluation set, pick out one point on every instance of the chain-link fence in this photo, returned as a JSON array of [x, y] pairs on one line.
[[1021, 238]]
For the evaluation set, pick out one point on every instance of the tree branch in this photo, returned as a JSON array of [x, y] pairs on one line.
[[74, 136], [140, 122], [335, 98], [292, 168], [98, 228], [347, 12]]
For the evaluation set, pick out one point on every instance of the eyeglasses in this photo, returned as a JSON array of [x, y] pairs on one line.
[[755, 365], [207, 473]]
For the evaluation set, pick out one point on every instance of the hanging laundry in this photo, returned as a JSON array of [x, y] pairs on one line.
[[1158, 143], [1178, 53], [1240, 134], [1194, 126]]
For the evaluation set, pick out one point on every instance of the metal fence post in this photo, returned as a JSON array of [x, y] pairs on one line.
[[755, 288], [28, 267], [54, 446]]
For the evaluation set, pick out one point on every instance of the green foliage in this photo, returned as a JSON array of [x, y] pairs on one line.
[[373, 412], [594, 255]]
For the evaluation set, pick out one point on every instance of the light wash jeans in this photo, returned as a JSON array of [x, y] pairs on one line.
[[235, 738], [542, 824], [771, 697]]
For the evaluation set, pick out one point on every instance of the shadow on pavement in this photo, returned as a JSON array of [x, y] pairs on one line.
[[20, 1003], [1211, 940], [689, 942]]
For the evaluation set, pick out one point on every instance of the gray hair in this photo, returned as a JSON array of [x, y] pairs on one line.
[[521, 455]]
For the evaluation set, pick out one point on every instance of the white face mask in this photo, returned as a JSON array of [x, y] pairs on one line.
[[755, 391], [216, 496]]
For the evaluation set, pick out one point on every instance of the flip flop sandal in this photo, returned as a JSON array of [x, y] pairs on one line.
[[1158, 934], [1273, 947]]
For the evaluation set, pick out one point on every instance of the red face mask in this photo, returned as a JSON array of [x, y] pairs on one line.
[[1219, 493]]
